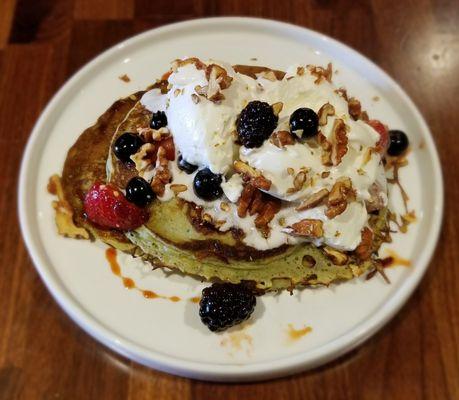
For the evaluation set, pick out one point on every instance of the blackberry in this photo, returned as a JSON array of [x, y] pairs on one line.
[[225, 304], [256, 123], [185, 165]]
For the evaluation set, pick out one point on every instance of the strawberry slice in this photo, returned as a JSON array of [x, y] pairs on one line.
[[383, 142], [107, 207]]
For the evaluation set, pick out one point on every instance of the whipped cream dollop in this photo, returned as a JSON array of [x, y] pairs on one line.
[[204, 130]]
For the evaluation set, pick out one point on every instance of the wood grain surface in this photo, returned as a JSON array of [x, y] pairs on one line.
[[43, 355]]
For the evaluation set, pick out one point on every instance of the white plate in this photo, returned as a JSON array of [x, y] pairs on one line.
[[166, 335]]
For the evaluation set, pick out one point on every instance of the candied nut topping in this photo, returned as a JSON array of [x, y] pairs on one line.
[[339, 141], [281, 139], [326, 110], [257, 179], [321, 73], [192, 60], [310, 228], [162, 174], [144, 157], [364, 249], [339, 196], [313, 200], [355, 108], [254, 202], [326, 156]]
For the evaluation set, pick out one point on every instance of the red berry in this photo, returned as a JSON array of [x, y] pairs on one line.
[[379, 127], [107, 207]]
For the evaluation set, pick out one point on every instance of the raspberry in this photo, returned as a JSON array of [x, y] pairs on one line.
[[379, 127], [225, 304], [256, 123], [106, 207]]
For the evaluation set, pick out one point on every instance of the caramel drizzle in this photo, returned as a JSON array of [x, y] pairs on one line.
[[128, 283]]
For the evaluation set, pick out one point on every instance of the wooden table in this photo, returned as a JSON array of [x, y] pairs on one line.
[[43, 355]]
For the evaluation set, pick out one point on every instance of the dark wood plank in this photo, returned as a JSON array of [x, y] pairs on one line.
[[104, 9], [43, 355]]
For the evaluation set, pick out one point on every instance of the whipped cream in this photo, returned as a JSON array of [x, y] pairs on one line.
[[203, 134]]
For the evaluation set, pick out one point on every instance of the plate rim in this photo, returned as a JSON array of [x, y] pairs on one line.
[[205, 370]]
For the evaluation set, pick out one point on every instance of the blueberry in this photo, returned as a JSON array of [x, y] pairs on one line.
[[139, 192], [127, 145], [158, 120], [304, 123], [256, 123], [186, 166], [207, 185], [398, 143], [226, 304]]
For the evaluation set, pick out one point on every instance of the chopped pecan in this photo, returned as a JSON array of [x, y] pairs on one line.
[[245, 199], [162, 174], [257, 179], [191, 60], [218, 79], [339, 141], [299, 180], [326, 156], [321, 73], [337, 257], [313, 200], [333, 211], [261, 182], [355, 108], [341, 191], [256, 204], [339, 196], [326, 110], [281, 139], [266, 214], [364, 249], [342, 92], [311, 228], [300, 71], [145, 157], [153, 135]]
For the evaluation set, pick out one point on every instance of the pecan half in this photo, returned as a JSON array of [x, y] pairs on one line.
[[364, 249], [311, 228], [333, 211], [281, 139], [326, 110], [313, 200]]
